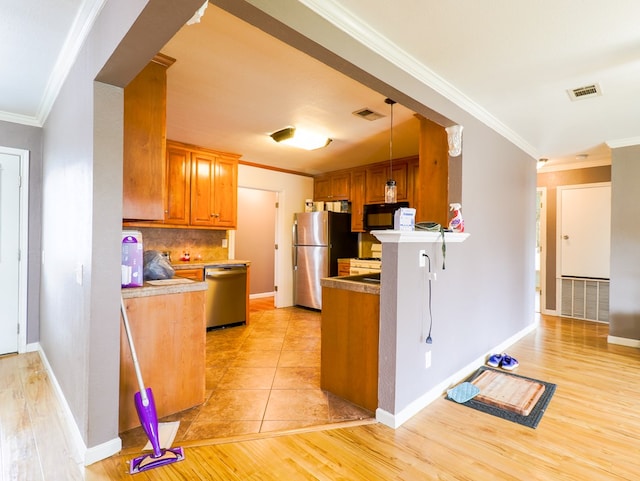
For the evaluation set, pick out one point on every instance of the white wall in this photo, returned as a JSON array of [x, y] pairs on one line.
[[293, 190]]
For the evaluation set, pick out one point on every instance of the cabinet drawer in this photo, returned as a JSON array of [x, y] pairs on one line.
[[193, 274]]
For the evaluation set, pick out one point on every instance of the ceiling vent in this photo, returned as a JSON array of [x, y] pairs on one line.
[[367, 114], [585, 92]]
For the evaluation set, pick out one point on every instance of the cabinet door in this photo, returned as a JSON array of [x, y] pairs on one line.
[[225, 193], [413, 186], [376, 178], [322, 188], [178, 194], [144, 144], [341, 186], [202, 182], [357, 201], [332, 186]]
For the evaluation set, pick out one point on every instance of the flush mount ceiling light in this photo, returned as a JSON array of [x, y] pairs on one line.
[[300, 138]]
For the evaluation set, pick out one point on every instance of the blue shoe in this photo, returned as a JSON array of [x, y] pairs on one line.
[[495, 360], [509, 363]]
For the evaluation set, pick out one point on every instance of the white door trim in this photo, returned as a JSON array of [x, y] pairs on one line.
[[23, 276], [559, 191], [543, 251]]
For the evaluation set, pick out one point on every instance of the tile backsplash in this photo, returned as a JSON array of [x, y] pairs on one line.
[[200, 243]]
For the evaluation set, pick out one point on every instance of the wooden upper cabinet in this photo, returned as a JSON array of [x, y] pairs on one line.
[[214, 190], [334, 186], [433, 173], [144, 142], [357, 200], [377, 176], [178, 190], [413, 184], [225, 199]]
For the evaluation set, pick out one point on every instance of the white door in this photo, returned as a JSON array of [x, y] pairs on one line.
[[585, 232], [9, 251]]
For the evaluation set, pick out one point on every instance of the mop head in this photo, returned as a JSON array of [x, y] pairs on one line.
[[149, 461]]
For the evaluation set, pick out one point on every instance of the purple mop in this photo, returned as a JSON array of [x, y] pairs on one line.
[[146, 408]]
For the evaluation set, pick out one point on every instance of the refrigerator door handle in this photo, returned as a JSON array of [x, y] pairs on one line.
[[294, 241]]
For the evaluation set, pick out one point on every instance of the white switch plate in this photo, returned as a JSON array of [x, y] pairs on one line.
[[427, 359], [79, 274], [224, 243]]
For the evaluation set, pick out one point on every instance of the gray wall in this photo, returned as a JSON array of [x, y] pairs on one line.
[[624, 295], [485, 294], [256, 236], [82, 208], [30, 138]]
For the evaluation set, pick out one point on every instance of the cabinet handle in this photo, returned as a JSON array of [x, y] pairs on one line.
[[215, 215]]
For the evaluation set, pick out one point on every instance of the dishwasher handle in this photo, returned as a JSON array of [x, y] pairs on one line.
[[225, 271]]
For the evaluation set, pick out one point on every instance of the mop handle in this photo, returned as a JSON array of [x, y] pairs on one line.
[[136, 365]]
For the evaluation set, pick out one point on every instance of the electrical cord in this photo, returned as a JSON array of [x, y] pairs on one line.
[[429, 340]]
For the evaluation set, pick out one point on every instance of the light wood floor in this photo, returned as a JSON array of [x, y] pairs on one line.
[[590, 431]]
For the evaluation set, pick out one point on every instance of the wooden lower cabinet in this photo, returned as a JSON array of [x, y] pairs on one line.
[[169, 333], [349, 347]]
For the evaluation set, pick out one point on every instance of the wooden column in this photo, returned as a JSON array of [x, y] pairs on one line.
[[433, 180]]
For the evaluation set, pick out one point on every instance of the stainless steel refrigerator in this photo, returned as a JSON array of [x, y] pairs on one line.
[[319, 240]]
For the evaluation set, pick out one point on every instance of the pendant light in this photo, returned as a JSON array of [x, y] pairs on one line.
[[390, 195]]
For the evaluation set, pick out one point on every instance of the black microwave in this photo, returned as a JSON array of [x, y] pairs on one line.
[[381, 216]]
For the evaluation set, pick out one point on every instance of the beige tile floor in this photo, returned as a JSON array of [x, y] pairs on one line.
[[261, 378]]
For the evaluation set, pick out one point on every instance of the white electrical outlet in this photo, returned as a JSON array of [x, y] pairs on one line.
[[423, 260], [224, 243], [427, 359]]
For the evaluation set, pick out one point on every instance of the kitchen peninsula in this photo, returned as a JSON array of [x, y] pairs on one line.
[[168, 327], [349, 350]]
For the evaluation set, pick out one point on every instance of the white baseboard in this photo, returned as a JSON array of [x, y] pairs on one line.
[[623, 341], [81, 454], [261, 295], [396, 420], [102, 451]]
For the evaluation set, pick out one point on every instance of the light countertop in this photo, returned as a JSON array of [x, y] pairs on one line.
[[159, 288], [352, 283]]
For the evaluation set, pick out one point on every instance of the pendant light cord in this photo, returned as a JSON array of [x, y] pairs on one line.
[[391, 102]]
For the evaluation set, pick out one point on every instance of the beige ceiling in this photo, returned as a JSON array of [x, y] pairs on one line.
[[232, 85], [508, 62]]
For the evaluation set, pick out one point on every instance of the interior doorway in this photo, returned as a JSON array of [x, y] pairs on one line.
[[255, 238], [14, 195]]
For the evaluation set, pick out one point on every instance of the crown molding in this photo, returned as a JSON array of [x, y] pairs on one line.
[[615, 144], [89, 11], [20, 119], [343, 19]]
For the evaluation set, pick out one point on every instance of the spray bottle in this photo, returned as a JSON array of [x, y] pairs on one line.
[[456, 224]]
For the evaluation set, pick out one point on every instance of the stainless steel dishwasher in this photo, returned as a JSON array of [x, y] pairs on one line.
[[226, 300]]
